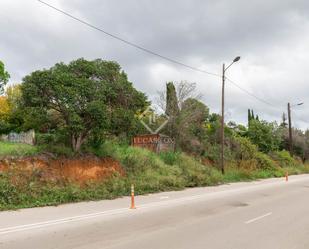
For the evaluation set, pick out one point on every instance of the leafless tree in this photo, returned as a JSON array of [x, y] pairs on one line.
[[184, 89]]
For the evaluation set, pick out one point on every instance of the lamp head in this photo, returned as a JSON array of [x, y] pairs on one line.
[[236, 59]]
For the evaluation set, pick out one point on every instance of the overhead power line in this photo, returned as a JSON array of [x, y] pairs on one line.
[[146, 50], [128, 42], [249, 93]]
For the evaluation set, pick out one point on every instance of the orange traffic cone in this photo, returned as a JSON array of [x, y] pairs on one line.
[[132, 197]]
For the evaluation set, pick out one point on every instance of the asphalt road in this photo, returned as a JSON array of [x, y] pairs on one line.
[[264, 214]]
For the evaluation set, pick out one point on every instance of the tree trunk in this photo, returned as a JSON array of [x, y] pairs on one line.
[[77, 141]]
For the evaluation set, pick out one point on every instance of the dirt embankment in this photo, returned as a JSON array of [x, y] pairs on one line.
[[79, 170]]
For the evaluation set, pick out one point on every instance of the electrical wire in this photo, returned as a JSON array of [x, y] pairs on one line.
[[128, 42], [247, 92], [146, 50]]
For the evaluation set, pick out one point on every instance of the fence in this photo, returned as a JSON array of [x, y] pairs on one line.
[[23, 137]]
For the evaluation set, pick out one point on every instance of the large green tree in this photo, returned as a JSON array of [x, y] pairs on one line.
[[88, 96], [267, 136], [191, 125], [4, 77]]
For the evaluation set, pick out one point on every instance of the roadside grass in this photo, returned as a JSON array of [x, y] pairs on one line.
[[149, 172], [17, 149]]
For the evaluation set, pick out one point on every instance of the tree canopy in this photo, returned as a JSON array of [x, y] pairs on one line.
[[4, 77], [86, 95], [267, 136]]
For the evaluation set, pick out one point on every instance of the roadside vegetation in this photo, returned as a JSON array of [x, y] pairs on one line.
[[150, 172], [17, 149], [90, 109]]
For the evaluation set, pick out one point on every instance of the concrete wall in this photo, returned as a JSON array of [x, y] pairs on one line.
[[23, 137]]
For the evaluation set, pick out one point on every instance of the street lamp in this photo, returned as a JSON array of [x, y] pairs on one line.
[[224, 69], [290, 127]]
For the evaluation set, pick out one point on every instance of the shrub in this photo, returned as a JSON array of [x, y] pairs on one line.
[[169, 157], [284, 159], [196, 174], [234, 174], [56, 138], [212, 152], [243, 148], [45, 138], [9, 194], [264, 162], [59, 150]]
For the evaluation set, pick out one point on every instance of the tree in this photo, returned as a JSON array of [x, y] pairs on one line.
[[284, 123], [267, 136], [4, 77], [4, 108], [172, 108], [85, 94], [11, 115], [249, 117], [186, 90], [252, 114], [191, 125], [187, 115]]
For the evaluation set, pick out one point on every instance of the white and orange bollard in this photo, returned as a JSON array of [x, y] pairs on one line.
[[132, 197], [286, 176]]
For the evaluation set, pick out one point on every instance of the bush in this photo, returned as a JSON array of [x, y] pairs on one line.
[[196, 174], [234, 174], [58, 150], [9, 195], [169, 157], [243, 148], [284, 159], [264, 162], [45, 138], [150, 172]]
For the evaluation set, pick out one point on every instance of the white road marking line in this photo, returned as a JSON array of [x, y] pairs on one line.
[[60, 221], [163, 197], [13, 229], [258, 218]]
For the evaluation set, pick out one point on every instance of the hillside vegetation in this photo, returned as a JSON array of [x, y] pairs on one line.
[[17, 149], [85, 114], [29, 187]]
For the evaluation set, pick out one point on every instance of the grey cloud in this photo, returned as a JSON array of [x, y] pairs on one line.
[[271, 36]]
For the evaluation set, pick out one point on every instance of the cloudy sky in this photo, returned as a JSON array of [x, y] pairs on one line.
[[271, 36]]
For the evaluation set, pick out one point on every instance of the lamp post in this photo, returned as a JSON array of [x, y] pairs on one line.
[[290, 127], [224, 69]]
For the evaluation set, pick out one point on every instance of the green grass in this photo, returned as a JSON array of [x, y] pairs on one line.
[[148, 171], [17, 149]]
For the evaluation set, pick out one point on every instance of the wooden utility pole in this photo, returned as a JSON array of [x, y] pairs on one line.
[[290, 130], [222, 111], [222, 120]]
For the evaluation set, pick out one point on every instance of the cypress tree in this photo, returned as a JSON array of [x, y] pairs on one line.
[[172, 108], [249, 117]]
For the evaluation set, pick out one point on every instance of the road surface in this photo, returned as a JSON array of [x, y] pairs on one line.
[[263, 214]]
